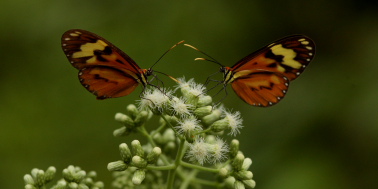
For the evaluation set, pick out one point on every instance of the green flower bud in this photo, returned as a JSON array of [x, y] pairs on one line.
[[141, 118], [229, 182], [223, 172], [73, 185], [29, 179], [132, 110], [139, 162], [243, 175], [123, 131], [234, 148], [237, 163], [169, 135], [39, 178], [158, 138], [154, 155], [203, 111], [92, 174], [137, 148], [29, 186], [204, 100], [249, 183], [117, 166], [247, 163], [219, 125], [126, 120], [50, 173], [211, 118], [138, 177], [169, 147], [239, 185], [125, 152]]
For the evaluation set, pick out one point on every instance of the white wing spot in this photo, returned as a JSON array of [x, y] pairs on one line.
[[278, 98], [308, 60], [302, 39], [77, 32], [305, 42], [310, 54], [74, 34], [303, 66], [298, 73], [285, 78], [287, 84], [67, 38], [64, 44], [80, 73], [72, 62], [308, 47], [270, 103], [284, 91]]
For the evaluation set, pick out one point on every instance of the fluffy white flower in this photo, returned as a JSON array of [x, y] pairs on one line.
[[234, 122], [218, 150], [190, 88], [154, 99], [198, 151], [188, 125], [179, 107]]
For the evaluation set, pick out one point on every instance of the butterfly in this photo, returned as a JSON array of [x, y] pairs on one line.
[[262, 78], [104, 69]]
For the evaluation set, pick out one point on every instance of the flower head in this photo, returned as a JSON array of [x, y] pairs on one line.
[[218, 150], [190, 89], [179, 107], [234, 122], [198, 151], [154, 99], [188, 126]]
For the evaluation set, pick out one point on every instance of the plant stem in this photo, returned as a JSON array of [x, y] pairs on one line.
[[172, 173], [193, 166]]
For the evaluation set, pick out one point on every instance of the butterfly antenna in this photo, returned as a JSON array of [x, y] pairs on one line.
[[167, 52], [211, 58], [174, 79]]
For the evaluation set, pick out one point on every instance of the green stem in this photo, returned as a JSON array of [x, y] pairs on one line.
[[188, 178], [172, 173], [160, 168], [193, 166]]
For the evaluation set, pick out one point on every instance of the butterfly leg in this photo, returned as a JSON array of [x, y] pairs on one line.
[[226, 94], [209, 78]]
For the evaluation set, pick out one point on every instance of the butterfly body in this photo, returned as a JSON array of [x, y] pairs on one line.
[[262, 78], [104, 70]]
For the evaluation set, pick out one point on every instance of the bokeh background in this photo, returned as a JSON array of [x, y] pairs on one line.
[[322, 135]]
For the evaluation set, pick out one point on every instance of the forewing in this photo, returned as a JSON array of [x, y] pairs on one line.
[[105, 82], [288, 56], [261, 88], [85, 49]]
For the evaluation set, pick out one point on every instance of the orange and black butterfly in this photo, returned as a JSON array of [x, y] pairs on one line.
[[262, 78], [104, 70]]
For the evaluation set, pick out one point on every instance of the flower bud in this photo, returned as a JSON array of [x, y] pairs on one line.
[[243, 175], [138, 177], [229, 182], [203, 111], [223, 172], [170, 147], [219, 125], [29, 179], [247, 163], [125, 152], [249, 183], [153, 156], [30, 186], [123, 118], [137, 148], [132, 110], [234, 148], [169, 135], [139, 162], [211, 118], [141, 118], [239, 185], [204, 100], [117, 166], [50, 173], [237, 163], [123, 131], [39, 178]]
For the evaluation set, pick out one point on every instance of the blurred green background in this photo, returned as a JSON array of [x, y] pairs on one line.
[[322, 135]]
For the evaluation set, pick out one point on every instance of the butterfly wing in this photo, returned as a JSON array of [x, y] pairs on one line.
[[288, 56], [262, 78], [261, 88], [104, 69]]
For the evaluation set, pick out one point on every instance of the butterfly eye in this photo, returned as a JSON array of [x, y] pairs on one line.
[[149, 72]]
